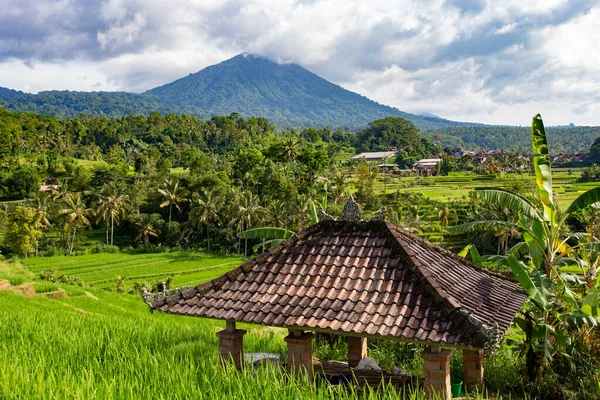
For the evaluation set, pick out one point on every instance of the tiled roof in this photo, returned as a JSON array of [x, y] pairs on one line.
[[365, 279], [375, 155]]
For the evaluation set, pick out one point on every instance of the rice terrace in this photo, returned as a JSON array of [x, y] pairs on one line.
[[299, 200]]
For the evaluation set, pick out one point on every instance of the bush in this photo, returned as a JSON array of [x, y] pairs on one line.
[[103, 248]]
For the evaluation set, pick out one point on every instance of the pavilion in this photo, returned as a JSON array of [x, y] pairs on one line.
[[361, 280]]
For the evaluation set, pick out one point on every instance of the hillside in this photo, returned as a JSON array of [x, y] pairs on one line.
[[286, 94], [562, 139]]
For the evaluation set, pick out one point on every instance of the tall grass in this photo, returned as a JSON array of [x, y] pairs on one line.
[[116, 349]]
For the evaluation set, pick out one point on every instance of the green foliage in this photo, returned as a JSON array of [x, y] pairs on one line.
[[565, 140], [590, 174], [23, 230]]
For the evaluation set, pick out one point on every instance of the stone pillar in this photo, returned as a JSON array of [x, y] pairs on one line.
[[437, 372], [231, 344], [357, 350], [473, 368], [300, 360]]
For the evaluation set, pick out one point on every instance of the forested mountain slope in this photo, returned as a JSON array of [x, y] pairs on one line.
[[577, 139]]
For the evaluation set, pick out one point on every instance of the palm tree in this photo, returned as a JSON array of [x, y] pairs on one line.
[[248, 210], [75, 213], [41, 209], [206, 212], [110, 208], [339, 181], [291, 146], [444, 215], [173, 195], [146, 224]]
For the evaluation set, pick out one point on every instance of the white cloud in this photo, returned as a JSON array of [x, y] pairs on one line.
[[494, 62]]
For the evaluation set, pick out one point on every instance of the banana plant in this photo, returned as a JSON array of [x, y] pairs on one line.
[[556, 300], [272, 236]]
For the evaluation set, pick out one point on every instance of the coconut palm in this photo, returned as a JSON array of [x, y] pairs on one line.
[[173, 195], [75, 214], [41, 208], [247, 212], [205, 212], [147, 227], [111, 207]]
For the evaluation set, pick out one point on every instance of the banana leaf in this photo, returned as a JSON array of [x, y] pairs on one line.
[[508, 199], [313, 213], [485, 225], [525, 280], [266, 233], [589, 198], [541, 165]]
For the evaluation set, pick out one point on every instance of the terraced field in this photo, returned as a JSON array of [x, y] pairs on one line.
[[458, 186], [101, 270]]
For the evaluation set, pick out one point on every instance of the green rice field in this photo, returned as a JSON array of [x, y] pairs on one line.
[[456, 187], [101, 270]]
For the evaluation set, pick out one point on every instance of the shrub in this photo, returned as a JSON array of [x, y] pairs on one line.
[[103, 248]]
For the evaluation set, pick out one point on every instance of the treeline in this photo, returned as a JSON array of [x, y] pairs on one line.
[[178, 180], [565, 140]]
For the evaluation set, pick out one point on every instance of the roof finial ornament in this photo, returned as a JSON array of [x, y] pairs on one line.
[[351, 210], [380, 216]]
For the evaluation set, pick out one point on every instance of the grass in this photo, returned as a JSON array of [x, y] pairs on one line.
[[101, 270], [108, 346]]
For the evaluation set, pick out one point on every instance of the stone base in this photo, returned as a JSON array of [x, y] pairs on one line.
[[357, 350], [231, 346], [437, 374], [473, 368], [300, 362]]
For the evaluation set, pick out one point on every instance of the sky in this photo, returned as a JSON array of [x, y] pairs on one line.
[[496, 62]]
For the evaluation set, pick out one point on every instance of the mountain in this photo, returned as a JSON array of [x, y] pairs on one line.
[[286, 94]]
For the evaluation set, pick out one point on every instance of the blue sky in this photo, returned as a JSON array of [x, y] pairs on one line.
[[486, 61]]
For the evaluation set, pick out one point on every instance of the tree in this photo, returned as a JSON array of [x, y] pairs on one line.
[[111, 208], [206, 212], [147, 225], [23, 230], [24, 180], [248, 210], [173, 195], [75, 214]]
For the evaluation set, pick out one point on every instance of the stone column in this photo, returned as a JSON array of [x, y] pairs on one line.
[[357, 350], [437, 372], [473, 368], [231, 344], [300, 360]]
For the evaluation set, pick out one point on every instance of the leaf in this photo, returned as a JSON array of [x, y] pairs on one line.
[[475, 255], [541, 165], [266, 233], [463, 253], [589, 304], [481, 226], [508, 199], [267, 244], [313, 213], [525, 280], [589, 198]]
